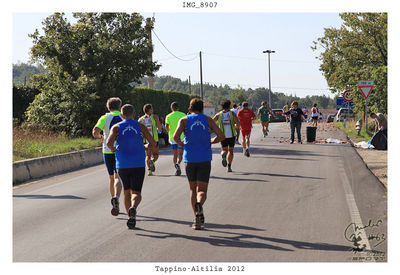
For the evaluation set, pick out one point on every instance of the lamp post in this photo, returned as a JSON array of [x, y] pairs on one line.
[[269, 75]]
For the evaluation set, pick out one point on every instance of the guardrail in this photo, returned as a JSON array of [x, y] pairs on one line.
[[45, 166]]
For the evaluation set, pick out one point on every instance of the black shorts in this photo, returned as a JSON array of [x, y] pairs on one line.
[[109, 161], [198, 171], [315, 117], [228, 142], [132, 178]]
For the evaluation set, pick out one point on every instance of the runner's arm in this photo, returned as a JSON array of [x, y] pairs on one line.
[[215, 118], [96, 132], [258, 112], [112, 138], [158, 123], [179, 130], [152, 143], [236, 119], [219, 134]]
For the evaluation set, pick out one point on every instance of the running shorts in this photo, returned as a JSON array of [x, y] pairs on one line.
[[175, 146], [132, 178], [264, 118], [246, 132], [315, 117], [198, 171], [228, 142], [109, 161]]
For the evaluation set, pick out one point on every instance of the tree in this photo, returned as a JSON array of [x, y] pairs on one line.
[[87, 62], [357, 51]]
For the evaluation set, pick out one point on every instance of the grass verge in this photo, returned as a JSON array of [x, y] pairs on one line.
[[351, 131], [33, 144]]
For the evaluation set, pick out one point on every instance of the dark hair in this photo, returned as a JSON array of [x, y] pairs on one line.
[[372, 114], [315, 105], [196, 105], [175, 105], [294, 103], [127, 110], [234, 105], [114, 103], [245, 104], [226, 104], [147, 107]]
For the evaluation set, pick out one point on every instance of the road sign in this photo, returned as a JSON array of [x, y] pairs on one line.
[[347, 96], [341, 103], [365, 87]]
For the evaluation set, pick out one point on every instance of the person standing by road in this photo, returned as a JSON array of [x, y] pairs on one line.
[[314, 115], [197, 154], [246, 117], [130, 158], [171, 123], [295, 121], [227, 121], [153, 125], [104, 125], [263, 113]]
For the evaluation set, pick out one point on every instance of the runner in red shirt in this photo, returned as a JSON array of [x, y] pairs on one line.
[[246, 117]]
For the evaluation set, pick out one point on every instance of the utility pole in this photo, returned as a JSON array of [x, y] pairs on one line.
[[269, 76], [190, 86], [201, 78], [149, 23]]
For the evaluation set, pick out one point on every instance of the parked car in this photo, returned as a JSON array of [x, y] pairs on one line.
[[278, 116], [343, 112], [330, 118]]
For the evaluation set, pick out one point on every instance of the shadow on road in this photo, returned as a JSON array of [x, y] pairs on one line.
[[235, 239], [278, 175], [237, 179], [63, 197]]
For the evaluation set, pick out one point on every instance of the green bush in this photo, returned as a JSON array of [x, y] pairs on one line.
[[22, 97]]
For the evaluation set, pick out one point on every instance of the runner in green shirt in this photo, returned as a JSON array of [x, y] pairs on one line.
[[104, 125], [263, 113], [171, 123]]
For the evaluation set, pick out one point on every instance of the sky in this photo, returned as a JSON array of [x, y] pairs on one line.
[[231, 46]]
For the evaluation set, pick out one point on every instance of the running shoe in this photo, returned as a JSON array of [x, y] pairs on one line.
[[247, 153], [150, 173], [178, 170], [152, 166], [266, 133], [115, 205], [197, 226], [199, 214], [224, 162], [132, 217], [229, 169]]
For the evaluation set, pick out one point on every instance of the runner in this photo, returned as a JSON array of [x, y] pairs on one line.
[[171, 123], [197, 154], [286, 109], [314, 115], [152, 123], [263, 113], [305, 113], [130, 158], [246, 116], [227, 121], [235, 109], [104, 125]]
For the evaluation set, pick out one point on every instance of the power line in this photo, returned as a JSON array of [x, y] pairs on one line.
[[170, 51], [261, 59], [169, 58]]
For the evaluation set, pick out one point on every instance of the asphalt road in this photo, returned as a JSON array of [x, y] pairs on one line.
[[286, 203]]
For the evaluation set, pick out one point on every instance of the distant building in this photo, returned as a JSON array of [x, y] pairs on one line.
[[209, 109]]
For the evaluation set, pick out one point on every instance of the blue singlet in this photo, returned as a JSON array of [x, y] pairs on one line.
[[197, 139]]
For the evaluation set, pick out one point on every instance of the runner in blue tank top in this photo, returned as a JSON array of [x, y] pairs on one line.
[[130, 158], [197, 154]]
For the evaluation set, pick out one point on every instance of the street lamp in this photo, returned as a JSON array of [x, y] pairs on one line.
[[269, 75]]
